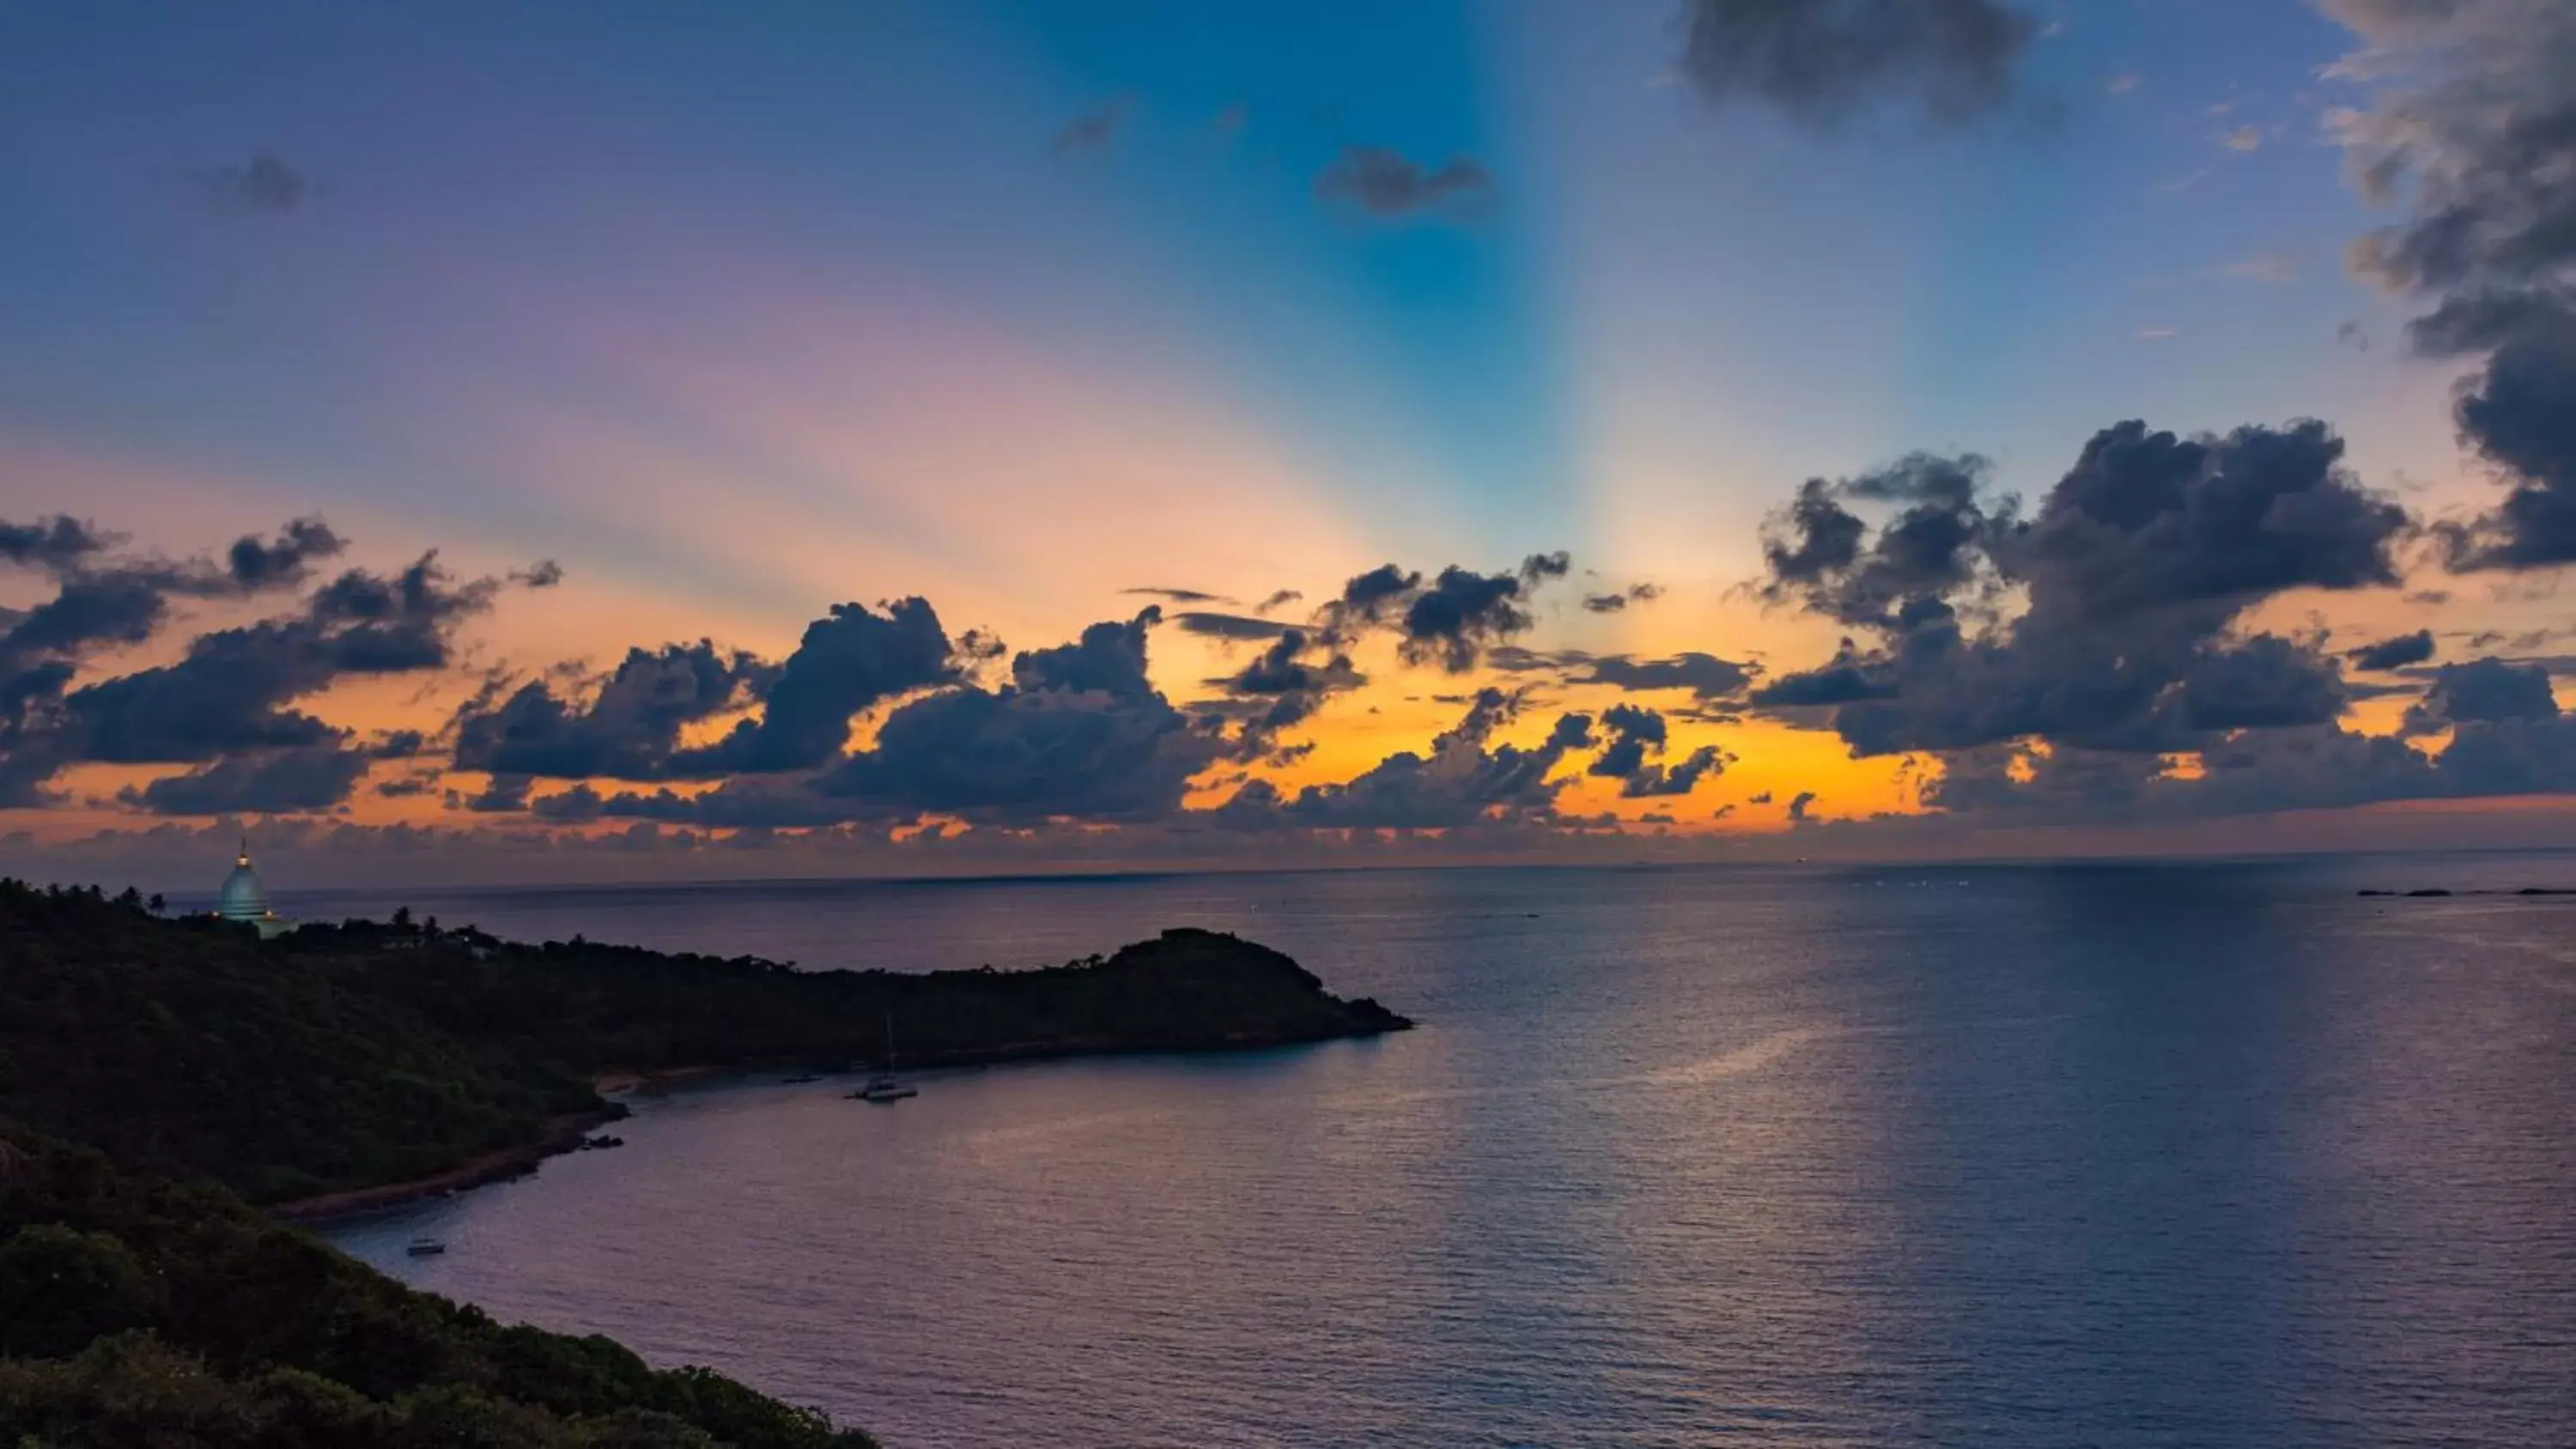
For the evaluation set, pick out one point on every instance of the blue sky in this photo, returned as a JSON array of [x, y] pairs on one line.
[[739, 311]]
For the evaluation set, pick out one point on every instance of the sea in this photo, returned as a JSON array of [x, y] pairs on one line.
[[2195, 1154]]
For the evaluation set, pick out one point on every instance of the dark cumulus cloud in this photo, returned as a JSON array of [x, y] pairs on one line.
[[1799, 805], [1383, 183], [1822, 555], [2395, 652], [2519, 414], [1465, 780], [1633, 734], [2482, 691], [1215, 625], [1706, 676], [2469, 128], [228, 704], [265, 185], [1823, 63], [1618, 600], [57, 544], [313, 777], [2134, 566], [233, 689], [627, 730], [848, 660], [1449, 620], [1284, 686], [2147, 521], [2507, 737], [1078, 732], [106, 600]]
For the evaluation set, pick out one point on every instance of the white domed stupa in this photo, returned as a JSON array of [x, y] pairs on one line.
[[246, 900]]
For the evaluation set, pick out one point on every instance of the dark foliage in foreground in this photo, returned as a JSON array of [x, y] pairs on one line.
[[355, 1055], [144, 1313], [191, 1050]]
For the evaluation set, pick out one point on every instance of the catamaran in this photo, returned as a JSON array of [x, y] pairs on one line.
[[885, 1086]]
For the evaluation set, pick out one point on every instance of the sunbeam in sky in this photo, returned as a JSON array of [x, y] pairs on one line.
[[928, 437]]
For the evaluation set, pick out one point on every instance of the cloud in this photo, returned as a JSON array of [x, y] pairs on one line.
[[1822, 63], [2123, 84], [1655, 781], [2469, 127], [2133, 568], [1280, 688], [501, 795], [1228, 626], [1450, 621], [848, 660], [232, 692], [1822, 555], [1385, 183], [1613, 603], [2243, 138], [265, 185], [107, 601], [2520, 414], [2354, 336], [1634, 733], [1278, 600], [2158, 334], [2482, 691], [1079, 732], [1799, 805], [1092, 130], [1704, 675], [1848, 678], [1177, 596], [284, 560], [2393, 653], [313, 777], [630, 727], [54, 544], [1463, 781]]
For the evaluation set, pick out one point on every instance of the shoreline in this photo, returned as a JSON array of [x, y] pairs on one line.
[[501, 1164], [564, 1134]]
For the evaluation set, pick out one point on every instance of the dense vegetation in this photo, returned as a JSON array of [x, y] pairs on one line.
[[354, 1055], [189, 1049], [142, 1303], [145, 1313]]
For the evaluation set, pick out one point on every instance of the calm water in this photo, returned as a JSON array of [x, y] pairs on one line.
[[2203, 1155]]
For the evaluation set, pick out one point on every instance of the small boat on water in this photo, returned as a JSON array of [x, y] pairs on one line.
[[885, 1087], [425, 1248]]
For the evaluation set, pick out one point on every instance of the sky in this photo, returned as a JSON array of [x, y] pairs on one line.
[[552, 440]]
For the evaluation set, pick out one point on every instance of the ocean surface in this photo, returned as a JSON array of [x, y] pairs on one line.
[[2206, 1155]]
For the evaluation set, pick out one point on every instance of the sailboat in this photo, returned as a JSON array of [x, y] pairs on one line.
[[885, 1087]]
